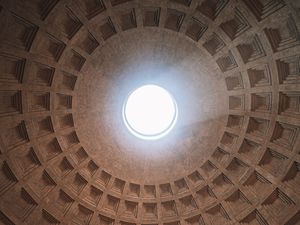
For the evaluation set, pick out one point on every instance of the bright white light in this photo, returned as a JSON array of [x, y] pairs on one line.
[[150, 112]]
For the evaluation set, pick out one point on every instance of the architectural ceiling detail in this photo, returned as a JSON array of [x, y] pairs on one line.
[[233, 67]]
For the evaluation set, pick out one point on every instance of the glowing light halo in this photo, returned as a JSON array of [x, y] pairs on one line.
[[150, 112]]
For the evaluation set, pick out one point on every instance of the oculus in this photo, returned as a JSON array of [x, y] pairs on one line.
[[150, 112]]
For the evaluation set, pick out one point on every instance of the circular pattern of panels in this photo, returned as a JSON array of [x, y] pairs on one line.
[[251, 178]]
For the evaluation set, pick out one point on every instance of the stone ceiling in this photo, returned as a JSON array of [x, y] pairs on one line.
[[66, 67]]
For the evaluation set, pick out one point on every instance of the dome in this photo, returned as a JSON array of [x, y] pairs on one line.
[[229, 153]]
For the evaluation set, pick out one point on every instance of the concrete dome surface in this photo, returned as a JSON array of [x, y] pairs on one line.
[[66, 68]]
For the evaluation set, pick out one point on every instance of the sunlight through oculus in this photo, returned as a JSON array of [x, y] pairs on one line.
[[150, 112]]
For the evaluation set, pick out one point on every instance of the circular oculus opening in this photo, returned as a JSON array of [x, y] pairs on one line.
[[150, 112]]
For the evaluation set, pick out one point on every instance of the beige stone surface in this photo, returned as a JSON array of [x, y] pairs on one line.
[[66, 67]]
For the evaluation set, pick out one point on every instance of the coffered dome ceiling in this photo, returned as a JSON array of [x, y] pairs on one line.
[[66, 67]]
